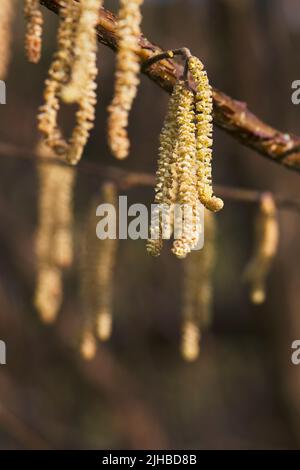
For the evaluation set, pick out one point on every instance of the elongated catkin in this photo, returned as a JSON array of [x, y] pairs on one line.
[[54, 237], [127, 76], [204, 130], [72, 77], [198, 270], [34, 30], [7, 8]]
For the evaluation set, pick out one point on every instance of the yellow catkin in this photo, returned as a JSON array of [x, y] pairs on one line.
[[54, 241], [98, 260], [165, 191], [77, 45], [204, 130], [34, 30], [198, 269], [266, 245], [48, 292], [186, 166], [127, 76], [176, 175], [6, 18]]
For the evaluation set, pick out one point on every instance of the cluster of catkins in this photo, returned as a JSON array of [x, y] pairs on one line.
[[72, 74], [127, 76], [55, 253], [184, 175]]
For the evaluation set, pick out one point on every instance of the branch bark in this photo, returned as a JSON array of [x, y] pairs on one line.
[[230, 115]]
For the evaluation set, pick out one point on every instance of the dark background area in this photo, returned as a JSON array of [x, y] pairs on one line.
[[243, 392]]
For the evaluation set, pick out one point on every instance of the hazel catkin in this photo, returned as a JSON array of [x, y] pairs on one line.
[[7, 13], [204, 129], [186, 176], [34, 30], [183, 177], [198, 270], [127, 76], [72, 70], [54, 239], [266, 245], [165, 188]]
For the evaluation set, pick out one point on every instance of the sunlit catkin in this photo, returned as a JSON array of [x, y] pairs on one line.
[[88, 346], [82, 86], [73, 69], [186, 170], [198, 270], [84, 68], [48, 293], [6, 18], [266, 245], [98, 258], [63, 236], [184, 178], [204, 130], [127, 76], [34, 30], [165, 188]]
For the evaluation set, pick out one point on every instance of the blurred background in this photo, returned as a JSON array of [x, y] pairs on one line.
[[243, 392]]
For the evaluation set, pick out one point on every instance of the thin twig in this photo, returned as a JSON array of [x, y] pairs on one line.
[[129, 179], [230, 115]]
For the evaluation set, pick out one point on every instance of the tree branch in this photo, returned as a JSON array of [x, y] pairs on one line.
[[230, 115]]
